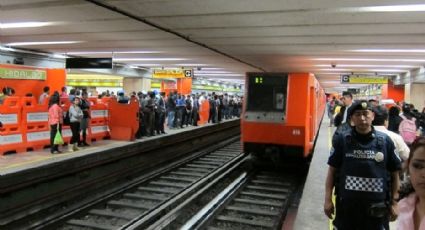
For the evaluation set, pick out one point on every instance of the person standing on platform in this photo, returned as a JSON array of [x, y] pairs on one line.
[[363, 169], [75, 116], [55, 118], [412, 204], [160, 117], [330, 106], [341, 117], [44, 95], [85, 121]]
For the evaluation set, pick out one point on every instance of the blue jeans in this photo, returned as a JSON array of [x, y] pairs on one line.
[[170, 119]]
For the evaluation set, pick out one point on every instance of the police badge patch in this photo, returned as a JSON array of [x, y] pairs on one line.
[[379, 156]]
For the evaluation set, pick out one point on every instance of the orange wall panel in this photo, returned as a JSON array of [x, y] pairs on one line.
[[184, 85], [55, 79]]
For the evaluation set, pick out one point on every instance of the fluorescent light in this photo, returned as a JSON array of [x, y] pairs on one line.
[[6, 48], [59, 56], [389, 50], [204, 72], [41, 43], [137, 52], [207, 68], [111, 52], [395, 8], [221, 74], [149, 59], [367, 70], [191, 64], [23, 24], [369, 59], [379, 66]]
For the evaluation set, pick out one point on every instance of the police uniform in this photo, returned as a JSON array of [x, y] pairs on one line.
[[364, 163]]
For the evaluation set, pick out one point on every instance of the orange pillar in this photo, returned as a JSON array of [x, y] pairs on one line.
[[184, 85]]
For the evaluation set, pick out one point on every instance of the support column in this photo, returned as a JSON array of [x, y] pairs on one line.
[[131, 84], [415, 95]]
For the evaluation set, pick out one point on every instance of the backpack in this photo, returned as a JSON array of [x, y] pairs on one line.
[[407, 129]]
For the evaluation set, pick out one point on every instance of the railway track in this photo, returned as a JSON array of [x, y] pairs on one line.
[[258, 200], [142, 203]]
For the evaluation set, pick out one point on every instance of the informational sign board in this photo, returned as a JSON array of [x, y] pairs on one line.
[[364, 79], [172, 73], [22, 74]]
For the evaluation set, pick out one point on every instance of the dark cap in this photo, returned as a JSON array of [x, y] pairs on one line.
[[360, 105]]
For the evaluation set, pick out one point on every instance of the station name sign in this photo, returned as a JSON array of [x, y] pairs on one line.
[[363, 79], [171, 73], [22, 74]]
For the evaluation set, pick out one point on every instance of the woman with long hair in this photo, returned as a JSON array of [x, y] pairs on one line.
[[75, 116], [412, 204], [55, 121]]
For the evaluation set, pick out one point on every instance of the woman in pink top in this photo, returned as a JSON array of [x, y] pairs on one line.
[[55, 120], [412, 206]]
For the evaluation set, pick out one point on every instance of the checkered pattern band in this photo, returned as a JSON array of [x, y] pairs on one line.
[[364, 184]]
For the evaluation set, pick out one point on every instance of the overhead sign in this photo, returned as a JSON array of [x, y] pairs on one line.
[[364, 79], [22, 74], [171, 73]]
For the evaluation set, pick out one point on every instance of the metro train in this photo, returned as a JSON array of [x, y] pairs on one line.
[[281, 115]]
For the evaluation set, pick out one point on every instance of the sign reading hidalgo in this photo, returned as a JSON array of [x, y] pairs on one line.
[[364, 79], [171, 73], [22, 74]]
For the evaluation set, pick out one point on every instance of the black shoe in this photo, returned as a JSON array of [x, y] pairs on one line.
[[80, 145], [85, 144], [163, 132]]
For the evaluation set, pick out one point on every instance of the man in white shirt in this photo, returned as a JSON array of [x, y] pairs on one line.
[[380, 123]]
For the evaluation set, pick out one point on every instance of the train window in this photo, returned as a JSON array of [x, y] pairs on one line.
[[267, 93]]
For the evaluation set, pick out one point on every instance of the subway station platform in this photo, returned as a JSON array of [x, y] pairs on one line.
[[13, 163]]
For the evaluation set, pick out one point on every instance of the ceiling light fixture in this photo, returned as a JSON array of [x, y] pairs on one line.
[[221, 74], [204, 72], [41, 43], [149, 59], [394, 8], [389, 50], [6, 48], [368, 70], [191, 64], [111, 52], [369, 59], [24, 25], [380, 66]]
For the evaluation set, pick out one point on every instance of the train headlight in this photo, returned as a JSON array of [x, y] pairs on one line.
[[296, 132]]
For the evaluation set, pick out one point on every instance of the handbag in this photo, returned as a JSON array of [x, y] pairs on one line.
[[58, 138]]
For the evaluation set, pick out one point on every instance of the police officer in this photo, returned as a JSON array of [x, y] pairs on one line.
[[363, 168]]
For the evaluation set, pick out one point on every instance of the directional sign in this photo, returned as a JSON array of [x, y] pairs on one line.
[[171, 73], [188, 73], [364, 79]]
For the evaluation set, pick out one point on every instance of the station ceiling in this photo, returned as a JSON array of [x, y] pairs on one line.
[[226, 38]]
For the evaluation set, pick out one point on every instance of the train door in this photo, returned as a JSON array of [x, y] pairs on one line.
[[312, 117]]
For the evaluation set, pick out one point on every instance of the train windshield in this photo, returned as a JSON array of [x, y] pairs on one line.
[[267, 93]]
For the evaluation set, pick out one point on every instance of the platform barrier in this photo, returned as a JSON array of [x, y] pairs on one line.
[[99, 117], [35, 122], [12, 133], [123, 119]]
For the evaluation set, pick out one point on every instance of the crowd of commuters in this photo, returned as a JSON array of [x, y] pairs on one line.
[[178, 111], [370, 157], [155, 111]]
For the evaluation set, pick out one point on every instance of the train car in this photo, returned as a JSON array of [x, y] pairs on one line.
[[281, 114]]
